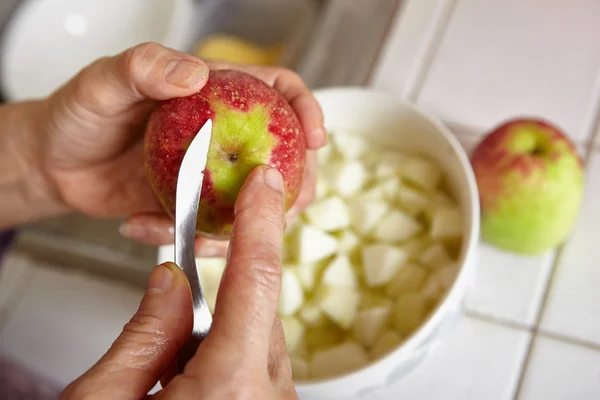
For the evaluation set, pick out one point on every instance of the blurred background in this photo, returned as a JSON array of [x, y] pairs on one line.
[[531, 326]]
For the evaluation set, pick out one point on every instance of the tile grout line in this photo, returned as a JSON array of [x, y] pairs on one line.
[[432, 44], [559, 337], [592, 125]]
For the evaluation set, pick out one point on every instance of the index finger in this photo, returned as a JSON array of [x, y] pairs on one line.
[[249, 291]]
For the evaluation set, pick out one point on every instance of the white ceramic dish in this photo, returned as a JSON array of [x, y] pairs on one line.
[[398, 124], [48, 41]]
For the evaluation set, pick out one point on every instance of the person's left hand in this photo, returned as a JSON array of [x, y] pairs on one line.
[[88, 136]]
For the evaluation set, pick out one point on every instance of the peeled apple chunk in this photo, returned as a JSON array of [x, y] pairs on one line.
[[446, 223], [339, 304], [380, 263], [435, 256], [422, 172], [210, 271], [313, 245], [329, 214], [311, 314], [307, 275], [349, 146], [396, 227], [365, 215], [345, 178], [369, 324], [386, 343], [408, 312], [292, 295], [412, 200], [324, 335], [338, 360], [348, 241], [293, 331], [409, 278], [324, 154], [299, 368], [340, 273]]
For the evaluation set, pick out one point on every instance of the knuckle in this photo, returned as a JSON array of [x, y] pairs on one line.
[[264, 270], [139, 60]]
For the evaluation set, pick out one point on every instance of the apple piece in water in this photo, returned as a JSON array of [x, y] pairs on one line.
[[531, 181], [252, 125], [338, 360], [329, 214]]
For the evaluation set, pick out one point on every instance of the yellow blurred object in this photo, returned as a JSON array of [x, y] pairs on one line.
[[235, 49]]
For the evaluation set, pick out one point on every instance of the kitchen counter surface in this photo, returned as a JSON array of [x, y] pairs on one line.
[[531, 328]]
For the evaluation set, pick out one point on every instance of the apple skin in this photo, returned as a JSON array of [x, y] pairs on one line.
[[531, 182], [252, 125]]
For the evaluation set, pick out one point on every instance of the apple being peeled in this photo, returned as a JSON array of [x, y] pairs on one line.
[[531, 182], [252, 125]]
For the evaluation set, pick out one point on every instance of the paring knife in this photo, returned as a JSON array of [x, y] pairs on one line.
[[189, 186]]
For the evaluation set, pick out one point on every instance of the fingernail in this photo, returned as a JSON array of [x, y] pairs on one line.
[[274, 179], [133, 231], [185, 73], [161, 279]]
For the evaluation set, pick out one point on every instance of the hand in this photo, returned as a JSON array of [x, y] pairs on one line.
[[244, 355], [88, 135]]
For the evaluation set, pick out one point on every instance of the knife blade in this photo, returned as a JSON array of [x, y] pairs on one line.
[[187, 199]]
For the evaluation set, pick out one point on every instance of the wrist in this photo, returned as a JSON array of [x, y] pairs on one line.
[[26, 192]]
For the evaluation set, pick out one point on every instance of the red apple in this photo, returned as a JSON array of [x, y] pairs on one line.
[[252, 125], [531, 182]]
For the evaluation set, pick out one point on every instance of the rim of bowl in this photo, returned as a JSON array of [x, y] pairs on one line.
[[175, 36], [468, 248]]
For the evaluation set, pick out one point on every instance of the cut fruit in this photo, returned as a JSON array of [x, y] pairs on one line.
[[322, 336], [413, 201], [210, 296], [380, 263], [324, 154], [350, 147], [311, 315], [293, 331], [390, 188], [365, 215], [299, 369], [210, 271], [369, 324], [329, 214], [345, 178], [416, 246], [348, 241], [408, 312], [386, 343], [373, 299], [322, 189], [409, 278], [422, 172], [338, 360], [339, 304], [397, 227], [446, 223], [307, 275], [292, 295], [340, 273], [383, 171], [435, 256], [446, 276], [313, 245]]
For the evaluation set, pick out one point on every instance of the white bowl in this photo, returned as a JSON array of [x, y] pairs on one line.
[[400, 125], [46, 42]]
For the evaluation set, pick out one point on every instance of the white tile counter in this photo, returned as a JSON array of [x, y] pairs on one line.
[[478, 63]]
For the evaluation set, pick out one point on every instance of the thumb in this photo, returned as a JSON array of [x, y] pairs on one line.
[[112, 85], [148, 344]]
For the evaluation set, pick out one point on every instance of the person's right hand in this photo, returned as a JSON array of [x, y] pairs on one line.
[[244, 356]]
